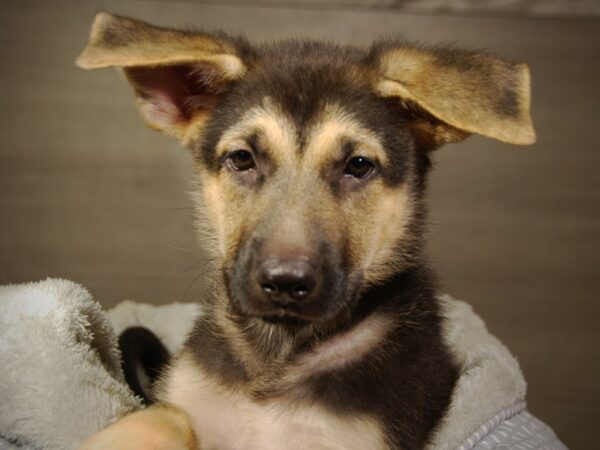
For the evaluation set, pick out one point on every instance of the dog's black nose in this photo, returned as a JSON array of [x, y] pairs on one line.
[[286, 280]]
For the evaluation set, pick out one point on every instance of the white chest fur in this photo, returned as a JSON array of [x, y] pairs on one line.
[[227, 420]]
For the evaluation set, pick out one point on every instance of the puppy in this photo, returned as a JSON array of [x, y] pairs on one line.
[[324, 331]]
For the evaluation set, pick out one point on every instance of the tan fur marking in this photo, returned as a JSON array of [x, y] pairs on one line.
[[335, 125], [388, 226], [227, 419], [215, 209], [343, 349], [276, 129], [193, 131]]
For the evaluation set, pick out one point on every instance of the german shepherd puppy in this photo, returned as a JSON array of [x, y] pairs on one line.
[[324, 331]]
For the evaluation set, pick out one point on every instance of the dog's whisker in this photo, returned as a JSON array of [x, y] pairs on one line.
[[190, 285], [183, 249], [201, 263]]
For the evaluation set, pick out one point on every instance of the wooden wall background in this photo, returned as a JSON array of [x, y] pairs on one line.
[[87, 193]]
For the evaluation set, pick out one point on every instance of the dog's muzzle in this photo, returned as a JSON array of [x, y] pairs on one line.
[[283, 284]]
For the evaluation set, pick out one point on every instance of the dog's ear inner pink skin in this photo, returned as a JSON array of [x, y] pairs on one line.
[[177, 75]]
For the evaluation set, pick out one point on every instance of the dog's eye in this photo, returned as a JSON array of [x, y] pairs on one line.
[[359, 167], [241, 160]]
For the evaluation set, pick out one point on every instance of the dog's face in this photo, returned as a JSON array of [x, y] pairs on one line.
[[308, 178], [311, 156]]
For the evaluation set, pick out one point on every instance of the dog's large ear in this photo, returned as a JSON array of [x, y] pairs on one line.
[[450, 94], [177, 75]]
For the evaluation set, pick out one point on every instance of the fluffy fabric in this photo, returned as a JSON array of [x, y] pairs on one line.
[[490, 380], [170, 323], [60, 377]]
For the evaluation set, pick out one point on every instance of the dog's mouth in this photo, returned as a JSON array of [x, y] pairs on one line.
[[316, 313], [324, 310]]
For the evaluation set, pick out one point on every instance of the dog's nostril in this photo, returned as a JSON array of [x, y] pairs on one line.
[[269, 288], [299, 291]]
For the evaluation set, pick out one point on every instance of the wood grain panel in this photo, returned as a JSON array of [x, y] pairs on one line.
[[515, 8], [88, 193]]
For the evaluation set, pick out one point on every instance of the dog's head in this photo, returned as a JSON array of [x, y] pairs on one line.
[[311, 156]]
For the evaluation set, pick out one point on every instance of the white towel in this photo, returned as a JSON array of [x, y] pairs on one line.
[[60, 375]]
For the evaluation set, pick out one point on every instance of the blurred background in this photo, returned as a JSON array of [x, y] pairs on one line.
[[89, 194]]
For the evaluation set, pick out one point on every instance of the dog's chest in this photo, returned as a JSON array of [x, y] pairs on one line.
[[229, 420]]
